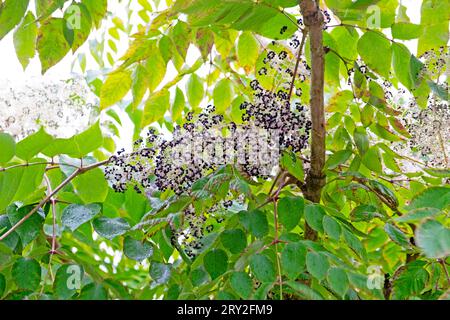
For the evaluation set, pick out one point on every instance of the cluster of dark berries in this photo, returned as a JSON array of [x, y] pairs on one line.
[[434, 63], [273, 112], [271, 124], [198, 147], [133, 169], [190, 236], [279, 62], [326, 18]]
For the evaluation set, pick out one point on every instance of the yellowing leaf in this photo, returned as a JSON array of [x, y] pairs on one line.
[[247, 50], [115, 88], [52, 44], [223, 95]]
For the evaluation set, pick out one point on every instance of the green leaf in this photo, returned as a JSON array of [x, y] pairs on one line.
[[372, 160], [67, 279], [180, 35], [367, 115], [25, 39], [155, 107], [45, 8], [2, 285], [247, 50], [11, 12], [304, 290], [314, 215], [223, 95], [178, 105], [293, 165], [115, 87], [110, 228], [139, 85], [406, 30], [79, 21], [434, 20], [216, 263], [12, 240], [52, 44], [403, 63], [93, 291], [293, 259], [137, 250], [33, 144], [338, 158], [433, 239], [290, 210], [397, 235], [194, 90], [74, 215], [160, 272], [263, 268], [340, 101], [338, 280], [8, 147], [411, 280], [255, 221], [347, 40], [242, 284], [438, 90], [332, 61], [434, 197], [85, 142], [97, 10], [364, 212], [20, 184], [418, 214], [199, 277], [375, 50], [31, 228], [361, 140], [205, 41], [317, 265], [91, 186], [156, 69], [26, 273], [355, 244], [234, 240], [331, 227]]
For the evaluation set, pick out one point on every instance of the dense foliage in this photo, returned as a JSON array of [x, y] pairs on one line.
[[82, 220]]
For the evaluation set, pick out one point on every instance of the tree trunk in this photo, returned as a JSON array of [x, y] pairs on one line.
[[315, 179]]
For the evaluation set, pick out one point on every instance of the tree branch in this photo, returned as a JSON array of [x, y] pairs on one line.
[[299, 55], [315, 178]]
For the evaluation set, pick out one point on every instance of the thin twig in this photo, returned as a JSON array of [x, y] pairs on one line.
[[442, 262], [77, 172], [299, 55], [51, 165], [53, 205]]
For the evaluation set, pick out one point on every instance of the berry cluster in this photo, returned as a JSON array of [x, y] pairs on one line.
[[434, 62], [190, 236], [272, 111], [205, 142], [64, 108], [271, 123], [430, 134]]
